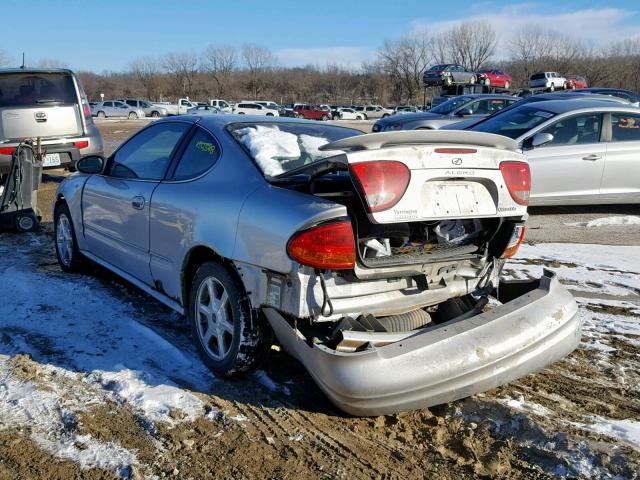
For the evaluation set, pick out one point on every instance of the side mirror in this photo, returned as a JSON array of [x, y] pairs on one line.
[[90, 165], [463, 112], [540, 139]]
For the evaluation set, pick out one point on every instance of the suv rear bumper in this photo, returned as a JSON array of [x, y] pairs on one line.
[[69, 153], [536, 327]]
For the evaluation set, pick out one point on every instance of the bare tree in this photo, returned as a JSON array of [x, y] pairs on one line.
[[258, 59], [182, 66], [405, 60], [220, 61], [530, 46], [471, 43], [146, 71]]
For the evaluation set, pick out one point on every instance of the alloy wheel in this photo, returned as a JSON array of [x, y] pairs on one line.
[[214, 318]]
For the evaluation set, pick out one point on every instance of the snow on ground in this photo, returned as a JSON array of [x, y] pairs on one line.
[[607, 221]]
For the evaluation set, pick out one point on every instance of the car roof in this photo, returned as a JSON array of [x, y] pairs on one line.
[[573, 94], [221, 121], [35, 70], [562, 106], [485, 95]]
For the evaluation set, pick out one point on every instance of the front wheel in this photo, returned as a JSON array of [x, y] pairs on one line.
[[133, 115], [230, 337], [155, 114], [487, 82], [472, 80], [507, 84], [552, 88], [269, 114], [325, 118], [101, 115], [69, 256]]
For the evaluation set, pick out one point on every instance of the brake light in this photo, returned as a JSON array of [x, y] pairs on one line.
[[329, 245], [81, 144], [7, 150], [514, 242], [457, 151], [382, 182], [517, 177]]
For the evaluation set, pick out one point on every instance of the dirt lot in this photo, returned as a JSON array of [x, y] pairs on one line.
[[100, 381]]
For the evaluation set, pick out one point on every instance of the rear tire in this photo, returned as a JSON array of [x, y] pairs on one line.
[[69, 257], [324, 118], [155, 114], [101, 115], [507, 84], [472, 80], [133, 115], [230, 337]]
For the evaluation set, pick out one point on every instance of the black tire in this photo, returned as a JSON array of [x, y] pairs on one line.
[[77, 262], [101, 114], [240, 113], [385, 115], [251, 337], [552, 88], [269, 114], [27, 222], [133, 115], [155, 114], [364, 116]]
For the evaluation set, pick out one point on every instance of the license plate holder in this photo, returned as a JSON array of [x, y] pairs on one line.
[[457, 199], [51, 160]]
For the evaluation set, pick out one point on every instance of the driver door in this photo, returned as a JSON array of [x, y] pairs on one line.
[[115, 204], [568, 170]]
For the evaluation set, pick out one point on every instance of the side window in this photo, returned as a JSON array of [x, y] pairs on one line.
[[575, 130], [201, 153], [108, 104], [131, 103], [185, 103], [625, 127], [481, 107], [147, 154]]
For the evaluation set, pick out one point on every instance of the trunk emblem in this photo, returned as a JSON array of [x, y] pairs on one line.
[[40, 115], [456, 161]]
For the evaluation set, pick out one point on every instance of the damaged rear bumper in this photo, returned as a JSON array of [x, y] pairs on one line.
[[537, 325]]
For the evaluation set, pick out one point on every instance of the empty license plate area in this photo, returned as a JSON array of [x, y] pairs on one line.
[[441, 199]]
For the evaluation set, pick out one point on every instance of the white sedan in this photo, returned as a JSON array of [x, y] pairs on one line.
[[254, 109], [349, 114]]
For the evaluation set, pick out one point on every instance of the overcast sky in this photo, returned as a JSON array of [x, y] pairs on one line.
[[107, 35]]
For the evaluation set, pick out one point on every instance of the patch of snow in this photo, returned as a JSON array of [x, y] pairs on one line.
[[523, 405], [626, 431], [239, 418], [607, 221], [269, 144]]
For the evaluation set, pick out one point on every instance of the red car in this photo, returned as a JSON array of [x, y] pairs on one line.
[[494, 78], [310, 112], [577, 82]]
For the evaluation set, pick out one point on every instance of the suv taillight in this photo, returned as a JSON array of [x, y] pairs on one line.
[[517, 177], [383, 182], [328, 245], [86, 110], [514, 242]]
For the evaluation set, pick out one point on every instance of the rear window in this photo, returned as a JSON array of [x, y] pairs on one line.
[[513, 123], [30, 89], [279, 147], [537, 76]]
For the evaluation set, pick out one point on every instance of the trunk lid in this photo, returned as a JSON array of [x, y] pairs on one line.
[[452, 175], [39, 104]]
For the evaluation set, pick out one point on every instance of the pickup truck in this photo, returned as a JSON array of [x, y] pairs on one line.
[[179, 108], [222, 105], [310, 112]]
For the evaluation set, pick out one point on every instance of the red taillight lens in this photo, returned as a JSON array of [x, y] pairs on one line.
[[382, 182], [514, 242], [330, 245], [7, 150], [517, 176], [86, 109], [81, 144]]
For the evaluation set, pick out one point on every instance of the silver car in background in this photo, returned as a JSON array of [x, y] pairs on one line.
[[453, 110], [371, 257], [116, 108], [50, 104], [580, 152], [149, 109]]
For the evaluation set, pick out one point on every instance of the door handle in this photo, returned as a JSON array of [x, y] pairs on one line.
[[137, 202], [592, 157]]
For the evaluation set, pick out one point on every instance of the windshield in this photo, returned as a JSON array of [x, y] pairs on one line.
[[450, 105], [280, 147], [514, 123], [437, 67]]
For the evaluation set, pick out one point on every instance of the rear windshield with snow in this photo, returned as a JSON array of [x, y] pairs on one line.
[[36, 89], [280, 147]]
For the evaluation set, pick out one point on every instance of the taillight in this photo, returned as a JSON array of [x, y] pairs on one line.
[[81, 144], [514, 242], [517, 176], [86, 109], [7, 150], [383, 183], [329, 245]]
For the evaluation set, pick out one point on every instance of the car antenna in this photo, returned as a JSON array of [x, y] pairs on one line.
[[22, 67]]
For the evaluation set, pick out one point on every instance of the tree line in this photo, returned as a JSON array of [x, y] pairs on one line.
[[392, 76]]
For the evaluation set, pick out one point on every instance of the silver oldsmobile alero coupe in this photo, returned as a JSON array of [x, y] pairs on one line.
[[372, 258]]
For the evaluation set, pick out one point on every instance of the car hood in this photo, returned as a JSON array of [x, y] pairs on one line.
[[411, 117]]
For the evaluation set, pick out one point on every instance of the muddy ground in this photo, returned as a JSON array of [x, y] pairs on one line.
[[277, 423]]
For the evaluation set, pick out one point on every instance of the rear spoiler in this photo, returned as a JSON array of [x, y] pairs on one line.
[[373, 141]]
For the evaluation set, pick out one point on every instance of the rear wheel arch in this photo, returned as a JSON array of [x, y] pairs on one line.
[[192, 261]]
